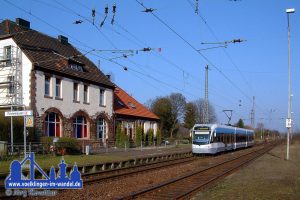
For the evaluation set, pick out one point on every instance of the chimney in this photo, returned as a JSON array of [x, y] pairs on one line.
[[63, 39], [23, 23], [108, 76]]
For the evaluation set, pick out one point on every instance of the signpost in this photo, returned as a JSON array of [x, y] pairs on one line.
[[28, 121], [18, 113]]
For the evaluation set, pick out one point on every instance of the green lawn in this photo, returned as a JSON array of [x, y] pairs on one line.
[[46, 161]]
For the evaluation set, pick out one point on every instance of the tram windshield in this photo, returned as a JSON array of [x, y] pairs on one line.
[[201, 137]]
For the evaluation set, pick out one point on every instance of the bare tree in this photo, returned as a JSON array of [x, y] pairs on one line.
[[212, 118], [178, 105]]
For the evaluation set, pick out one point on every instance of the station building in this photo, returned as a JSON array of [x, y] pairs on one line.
[[69, 95], [131, 114]]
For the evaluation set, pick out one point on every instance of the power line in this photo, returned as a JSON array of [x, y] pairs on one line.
[[120, 34], [58, 29], [141, 43], [88, 20], [224, 50], [204, 57]]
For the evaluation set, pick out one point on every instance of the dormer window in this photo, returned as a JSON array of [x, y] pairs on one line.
[[77, 66], [120, 103], [131, 105]]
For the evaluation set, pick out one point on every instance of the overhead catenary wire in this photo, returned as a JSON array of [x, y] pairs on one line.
[[90, 21], [165, 59], [140, 42], [224, 50], [54, 27], [202, 55], [147, 75]]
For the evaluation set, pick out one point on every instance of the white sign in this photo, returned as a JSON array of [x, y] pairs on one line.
[[18, 113], [288, 123], [29, 121]]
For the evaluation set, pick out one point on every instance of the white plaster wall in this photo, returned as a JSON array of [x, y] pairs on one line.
[[67, 106], [147, 126], [26, 69]]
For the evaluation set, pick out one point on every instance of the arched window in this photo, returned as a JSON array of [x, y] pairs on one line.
[[80, 127], [101, 129], [53, 125]]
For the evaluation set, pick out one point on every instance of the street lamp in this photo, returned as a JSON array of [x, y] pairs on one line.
[[288, 121]]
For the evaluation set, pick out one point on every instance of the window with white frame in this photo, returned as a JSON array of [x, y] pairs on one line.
[[80, 127], [85, 94], [11, 87], [101, 129], [58, 88], [53, 125], [47, 85], [75, 92], [7, 55], [102, 97]]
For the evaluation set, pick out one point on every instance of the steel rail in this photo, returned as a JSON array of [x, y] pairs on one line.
[[178, 179]]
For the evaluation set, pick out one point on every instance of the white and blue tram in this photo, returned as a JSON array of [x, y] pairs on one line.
[[214, 138]]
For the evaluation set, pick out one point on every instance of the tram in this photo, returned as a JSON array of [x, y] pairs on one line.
[[214, 138]]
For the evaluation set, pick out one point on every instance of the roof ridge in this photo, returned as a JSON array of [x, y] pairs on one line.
[[139, 111], [39, 46]]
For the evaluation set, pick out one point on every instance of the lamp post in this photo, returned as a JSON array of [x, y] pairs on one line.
[[288, 121]]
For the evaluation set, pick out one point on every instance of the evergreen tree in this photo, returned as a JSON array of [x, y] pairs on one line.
[[139, 135], [158, 136], [150, 136], [118, 135], [240, 123]]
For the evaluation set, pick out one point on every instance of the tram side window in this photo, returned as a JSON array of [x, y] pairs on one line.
[[239, 138], [219, 137]]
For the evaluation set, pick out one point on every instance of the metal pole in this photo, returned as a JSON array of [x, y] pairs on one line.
[[289, 91], [11, 132], [24, 137], [206, 117]]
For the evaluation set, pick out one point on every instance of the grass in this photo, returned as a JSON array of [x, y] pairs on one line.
[[46, 161], [268, 177]]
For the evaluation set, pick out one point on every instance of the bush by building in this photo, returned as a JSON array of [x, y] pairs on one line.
[[139, 136], [67, 145]]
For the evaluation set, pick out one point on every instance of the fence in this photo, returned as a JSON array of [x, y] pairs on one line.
[[84, 146]]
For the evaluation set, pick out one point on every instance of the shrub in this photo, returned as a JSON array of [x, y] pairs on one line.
[[124, 140], [150, 136], [67, 145], [139, 135], [46, 142], [158, 136], [118, 135]]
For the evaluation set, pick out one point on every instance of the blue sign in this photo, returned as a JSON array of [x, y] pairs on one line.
[[16, 179]]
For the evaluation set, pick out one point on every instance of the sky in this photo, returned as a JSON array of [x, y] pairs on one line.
[[178, 36]]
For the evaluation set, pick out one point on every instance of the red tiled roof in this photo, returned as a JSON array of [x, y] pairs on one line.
[[49, 54], [124, 104]]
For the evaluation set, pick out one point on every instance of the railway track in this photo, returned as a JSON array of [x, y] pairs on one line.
[[127, 171], [185, 186], [90, 178]]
